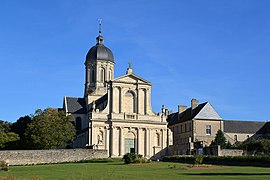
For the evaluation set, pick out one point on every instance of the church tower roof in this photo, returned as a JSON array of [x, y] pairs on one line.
[[99, 51]]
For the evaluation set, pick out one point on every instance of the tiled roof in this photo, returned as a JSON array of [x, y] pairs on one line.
[[231, 126], [75, 105], [188, 114]]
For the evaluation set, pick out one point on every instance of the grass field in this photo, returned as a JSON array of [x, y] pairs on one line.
[[118, 170]]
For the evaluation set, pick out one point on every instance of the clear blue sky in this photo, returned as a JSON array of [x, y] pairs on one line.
[[216, 51]]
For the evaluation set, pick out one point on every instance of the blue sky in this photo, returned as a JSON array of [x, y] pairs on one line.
[[216, 51]]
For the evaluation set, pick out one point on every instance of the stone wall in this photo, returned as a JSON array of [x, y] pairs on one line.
[[23, 157], [217, 151], [231, 152]]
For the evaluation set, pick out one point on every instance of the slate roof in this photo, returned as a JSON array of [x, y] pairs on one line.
[[76, 105], [231, 126], [265, 129], [102, 99], [188, 114]]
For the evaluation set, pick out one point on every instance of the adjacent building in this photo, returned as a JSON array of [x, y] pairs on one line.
[[196, 127]]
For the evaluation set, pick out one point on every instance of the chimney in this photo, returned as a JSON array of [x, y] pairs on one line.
[[194, 103], [181, 108]]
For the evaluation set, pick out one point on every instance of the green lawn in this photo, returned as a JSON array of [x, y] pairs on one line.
[[118, 170]]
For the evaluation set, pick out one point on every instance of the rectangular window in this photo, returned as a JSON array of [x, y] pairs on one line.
[[208, 129], [181, 128]]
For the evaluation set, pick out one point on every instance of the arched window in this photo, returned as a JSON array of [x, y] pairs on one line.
[[78, 123], [110, 75], [93, 75], [129, 102], [102, 75], [235, 137], [157, 139]]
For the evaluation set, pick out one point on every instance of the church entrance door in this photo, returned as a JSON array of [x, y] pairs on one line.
[[129, 145]]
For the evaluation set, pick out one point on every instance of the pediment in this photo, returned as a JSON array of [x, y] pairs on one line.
[[131, 78]]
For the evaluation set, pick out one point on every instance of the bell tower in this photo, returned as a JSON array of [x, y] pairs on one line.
[[99, 68]]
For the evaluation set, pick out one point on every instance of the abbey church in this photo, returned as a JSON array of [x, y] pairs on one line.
[[115, 113]]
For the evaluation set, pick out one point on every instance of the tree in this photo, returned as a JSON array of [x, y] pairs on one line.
[[49, 129], [261, 146], [19, 128], [7, 138], [4, 126], [220, 139], [20, 125]]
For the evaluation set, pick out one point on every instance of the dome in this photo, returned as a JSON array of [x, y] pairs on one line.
[[99, 52]]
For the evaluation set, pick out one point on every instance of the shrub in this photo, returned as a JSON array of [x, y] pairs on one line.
[[3, 165], [129, 158], [222, 160], [133, 158], [198, 159]]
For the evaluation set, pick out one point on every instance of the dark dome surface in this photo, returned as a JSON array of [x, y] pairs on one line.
[[99, 52]]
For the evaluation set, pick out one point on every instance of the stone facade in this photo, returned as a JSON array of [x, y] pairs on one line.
[[115, 114], [195, 128], [24, 157]]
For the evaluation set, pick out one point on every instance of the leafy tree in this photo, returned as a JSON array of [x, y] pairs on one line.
[[20, 125], [261, 146], [4, 126], [19, 128], [220, 139], [6, 138], [49, 129]]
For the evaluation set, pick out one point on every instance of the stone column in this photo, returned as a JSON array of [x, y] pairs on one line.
[[120, 99], [120, 141], [150, 143], [107, 138], [111, 142], [111, 100], [145, 102], [94, 135], [138, 100], [145, 142], [138, 140], [90, 135], [163, 138]]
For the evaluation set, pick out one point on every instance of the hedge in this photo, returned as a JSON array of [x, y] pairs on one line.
[[223, 160]]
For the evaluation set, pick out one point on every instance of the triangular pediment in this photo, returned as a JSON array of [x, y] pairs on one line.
[[208, 112], [131, 78]]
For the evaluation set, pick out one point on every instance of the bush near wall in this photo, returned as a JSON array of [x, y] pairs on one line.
[[223, 160]]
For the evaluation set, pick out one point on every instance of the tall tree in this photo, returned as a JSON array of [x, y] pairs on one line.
[[220, 139], [49, 129], [6, 137], [20, 125], [19, 128], [4, 126]]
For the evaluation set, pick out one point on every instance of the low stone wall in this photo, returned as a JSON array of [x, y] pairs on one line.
[[231, 152], [23, 157], [217, 151]]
